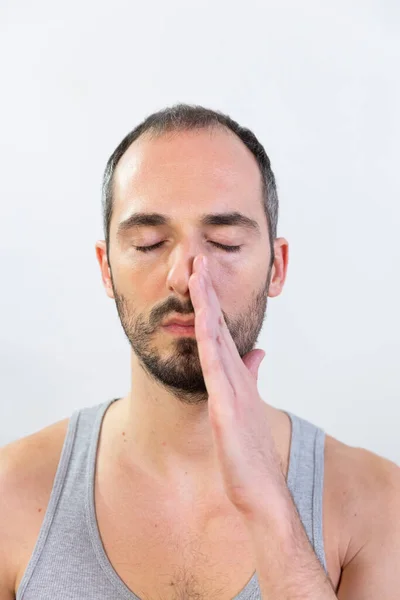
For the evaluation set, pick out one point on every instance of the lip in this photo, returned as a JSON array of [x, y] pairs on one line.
[[180, 329], [180, 322]]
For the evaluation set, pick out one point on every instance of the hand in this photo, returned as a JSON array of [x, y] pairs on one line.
[[245, 448]]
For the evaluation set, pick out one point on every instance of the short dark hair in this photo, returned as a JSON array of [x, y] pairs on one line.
[[185, 117]]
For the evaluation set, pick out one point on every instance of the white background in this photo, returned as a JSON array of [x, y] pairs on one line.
[[318, 82]]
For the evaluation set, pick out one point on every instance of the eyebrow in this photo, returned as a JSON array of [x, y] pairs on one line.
[[145, 219]]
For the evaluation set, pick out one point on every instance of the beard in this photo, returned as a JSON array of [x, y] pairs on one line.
[[180, 370]]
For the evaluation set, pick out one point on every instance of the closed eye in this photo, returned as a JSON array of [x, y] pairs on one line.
[[222, 246]]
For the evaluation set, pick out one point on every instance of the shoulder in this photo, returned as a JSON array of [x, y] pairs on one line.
[[30, 461], [363, 490], [27, 470]]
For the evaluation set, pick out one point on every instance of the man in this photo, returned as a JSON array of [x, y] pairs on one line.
[[192, 485]]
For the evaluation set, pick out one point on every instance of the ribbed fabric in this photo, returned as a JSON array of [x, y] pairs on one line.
[[69, 562]]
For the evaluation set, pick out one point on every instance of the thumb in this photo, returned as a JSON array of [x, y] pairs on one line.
[[253, 360]]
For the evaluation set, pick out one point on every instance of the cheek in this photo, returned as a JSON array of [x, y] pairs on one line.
[[231, 285], [132, 273], [235, 284], [230, 275]]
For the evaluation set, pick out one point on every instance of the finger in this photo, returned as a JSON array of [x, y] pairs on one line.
[[215, 329], [235, 363], [214, 356]]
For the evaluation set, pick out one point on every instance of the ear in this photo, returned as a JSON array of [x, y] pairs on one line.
[[279, 268], [101, 253]]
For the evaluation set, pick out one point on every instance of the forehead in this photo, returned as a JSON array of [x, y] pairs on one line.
[[184, 172]]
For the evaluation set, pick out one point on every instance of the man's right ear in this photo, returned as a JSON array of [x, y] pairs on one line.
[[101, 253]]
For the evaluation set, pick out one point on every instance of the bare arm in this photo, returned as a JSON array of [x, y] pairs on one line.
[[372, 571], [7, 544], [27, 470], [288, 568]]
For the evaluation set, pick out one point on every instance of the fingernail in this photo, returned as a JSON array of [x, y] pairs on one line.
[[205, 263]]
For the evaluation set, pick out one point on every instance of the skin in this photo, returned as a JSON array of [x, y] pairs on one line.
[[216, 370], [170, 444], [184, 176]]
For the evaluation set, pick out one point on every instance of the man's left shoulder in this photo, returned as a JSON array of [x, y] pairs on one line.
[[365, 489]]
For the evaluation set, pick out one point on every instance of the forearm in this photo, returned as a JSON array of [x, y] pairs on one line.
[[286, 565]]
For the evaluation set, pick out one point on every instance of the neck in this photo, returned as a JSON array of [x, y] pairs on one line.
[[167, 438]]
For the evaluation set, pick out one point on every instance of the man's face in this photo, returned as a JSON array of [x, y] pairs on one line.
[[185, 176]]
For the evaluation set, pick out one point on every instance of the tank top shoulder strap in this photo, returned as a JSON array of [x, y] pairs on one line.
[[305, 479], [69, 483]]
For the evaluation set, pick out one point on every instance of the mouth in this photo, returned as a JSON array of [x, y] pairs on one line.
[[178, 329]]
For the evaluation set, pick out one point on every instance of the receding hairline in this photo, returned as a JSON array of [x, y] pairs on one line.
[[170, 132], [181, 117]]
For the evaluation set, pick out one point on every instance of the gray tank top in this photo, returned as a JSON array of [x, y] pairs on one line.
[[69, 562]]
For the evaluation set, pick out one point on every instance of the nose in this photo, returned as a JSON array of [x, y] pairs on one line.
[[180, 269]]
